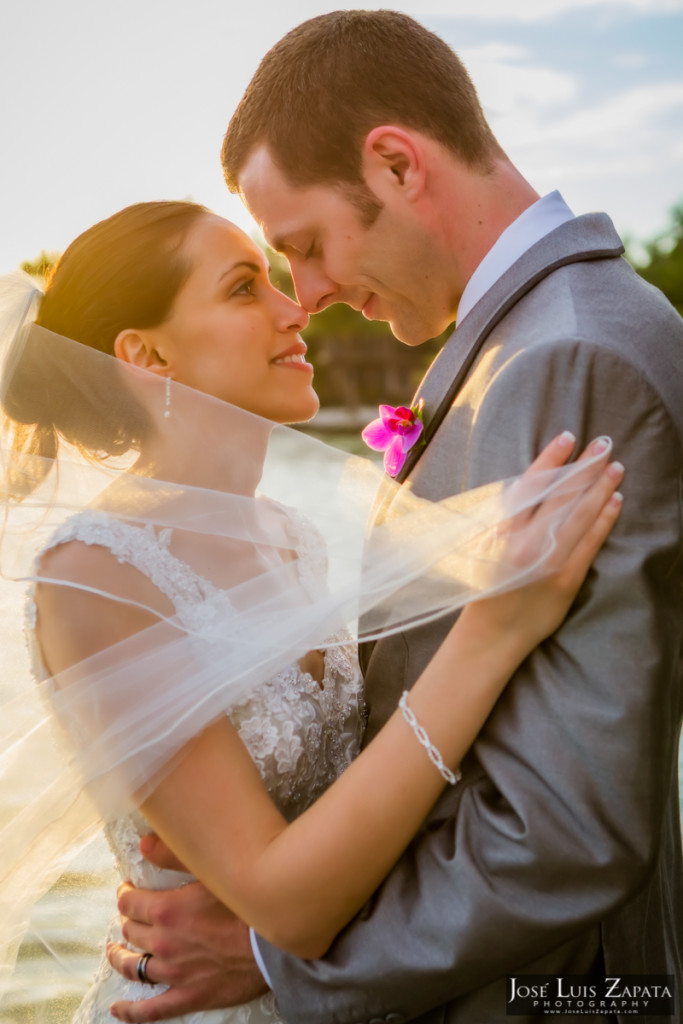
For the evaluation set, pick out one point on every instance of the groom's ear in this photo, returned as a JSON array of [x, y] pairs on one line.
[[393, 162]]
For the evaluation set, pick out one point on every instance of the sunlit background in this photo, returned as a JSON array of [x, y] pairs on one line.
[[104, 104]]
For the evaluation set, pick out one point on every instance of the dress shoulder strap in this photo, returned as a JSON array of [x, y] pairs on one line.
[[140, 546]]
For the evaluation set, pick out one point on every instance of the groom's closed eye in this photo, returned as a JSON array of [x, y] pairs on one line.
[[300, 247]]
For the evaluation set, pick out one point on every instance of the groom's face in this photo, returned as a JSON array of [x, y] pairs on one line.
[[388, 270]]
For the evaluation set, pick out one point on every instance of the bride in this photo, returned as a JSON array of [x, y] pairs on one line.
[[188, 624]]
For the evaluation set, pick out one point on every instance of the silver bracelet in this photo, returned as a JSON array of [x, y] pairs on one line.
[[433, 754]]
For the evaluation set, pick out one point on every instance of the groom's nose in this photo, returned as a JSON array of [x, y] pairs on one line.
[[314, 289]]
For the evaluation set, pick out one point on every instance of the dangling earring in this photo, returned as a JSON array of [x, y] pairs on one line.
[[167, 401]]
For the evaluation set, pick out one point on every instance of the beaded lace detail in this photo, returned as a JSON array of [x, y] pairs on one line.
[[300, 735]]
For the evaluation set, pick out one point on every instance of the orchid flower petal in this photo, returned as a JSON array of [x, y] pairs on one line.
[[394, 457], [377, 436], [411, 437], [387, 412], [395, 432]]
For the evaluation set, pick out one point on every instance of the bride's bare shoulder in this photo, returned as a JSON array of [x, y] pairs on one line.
[[88, 600]]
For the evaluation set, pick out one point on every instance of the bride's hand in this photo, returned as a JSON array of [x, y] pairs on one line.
[[528, 614]]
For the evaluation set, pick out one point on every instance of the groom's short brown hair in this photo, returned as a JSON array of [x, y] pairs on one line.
[[326, 84]]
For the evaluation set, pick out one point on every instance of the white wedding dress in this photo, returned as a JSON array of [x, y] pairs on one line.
[[300, 735]]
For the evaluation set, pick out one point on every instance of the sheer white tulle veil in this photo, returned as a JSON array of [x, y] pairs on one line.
[[236, 498]]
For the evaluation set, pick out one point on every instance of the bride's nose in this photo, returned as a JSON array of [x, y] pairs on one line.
[[290, 315]]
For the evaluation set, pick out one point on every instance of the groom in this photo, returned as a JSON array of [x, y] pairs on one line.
[[361, 149]]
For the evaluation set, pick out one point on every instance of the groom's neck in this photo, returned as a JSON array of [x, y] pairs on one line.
[[473, 208]]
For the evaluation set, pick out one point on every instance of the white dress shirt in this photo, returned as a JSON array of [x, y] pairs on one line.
[[537, 221]]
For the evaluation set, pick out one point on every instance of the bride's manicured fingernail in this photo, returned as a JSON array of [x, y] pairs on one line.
[[600, 445], [566, 439], [617, 498], [615, 470]]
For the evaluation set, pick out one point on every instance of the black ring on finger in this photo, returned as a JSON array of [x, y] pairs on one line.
[[142, 969]]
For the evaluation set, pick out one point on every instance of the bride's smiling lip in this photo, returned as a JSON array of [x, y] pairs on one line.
[[294, 357]]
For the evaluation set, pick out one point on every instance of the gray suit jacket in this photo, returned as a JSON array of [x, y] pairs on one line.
[[560, 850]]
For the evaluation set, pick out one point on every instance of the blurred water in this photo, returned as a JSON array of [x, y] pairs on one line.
[[60, 954]]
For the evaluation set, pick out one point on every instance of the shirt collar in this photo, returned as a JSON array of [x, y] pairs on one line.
[[534, 223]]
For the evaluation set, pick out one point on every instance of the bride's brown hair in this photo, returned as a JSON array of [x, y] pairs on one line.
[[124, 272]]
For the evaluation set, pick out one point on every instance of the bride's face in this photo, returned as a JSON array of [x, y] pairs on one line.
[[232, 334]]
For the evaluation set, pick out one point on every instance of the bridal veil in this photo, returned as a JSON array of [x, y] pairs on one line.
[[236, 498]]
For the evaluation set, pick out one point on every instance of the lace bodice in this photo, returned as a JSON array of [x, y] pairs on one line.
[[301, 735]]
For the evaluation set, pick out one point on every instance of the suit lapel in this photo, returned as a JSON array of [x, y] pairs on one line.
[[585, 238], [591, 237]]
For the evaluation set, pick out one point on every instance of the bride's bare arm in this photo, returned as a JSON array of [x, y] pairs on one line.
[[298, 884]]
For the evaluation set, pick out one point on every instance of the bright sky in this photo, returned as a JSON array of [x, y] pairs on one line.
[[109, 103]]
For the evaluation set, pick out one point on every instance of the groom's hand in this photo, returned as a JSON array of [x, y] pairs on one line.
[[198, 947]]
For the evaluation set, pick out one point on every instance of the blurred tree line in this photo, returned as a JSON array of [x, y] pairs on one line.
[[360, 363], [663, 264], [41, 266]]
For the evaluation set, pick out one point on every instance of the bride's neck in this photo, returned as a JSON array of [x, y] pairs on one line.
[[226, 463]]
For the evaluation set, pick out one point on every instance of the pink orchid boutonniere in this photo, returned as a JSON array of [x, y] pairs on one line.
[[395, 433]]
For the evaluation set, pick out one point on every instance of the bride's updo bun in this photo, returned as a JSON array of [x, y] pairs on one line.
[[123, 273]]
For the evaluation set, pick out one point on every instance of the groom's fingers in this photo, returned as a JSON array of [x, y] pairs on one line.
[[220, 977], [135, 903], [157, 921], [160, 907], [125, 962]]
